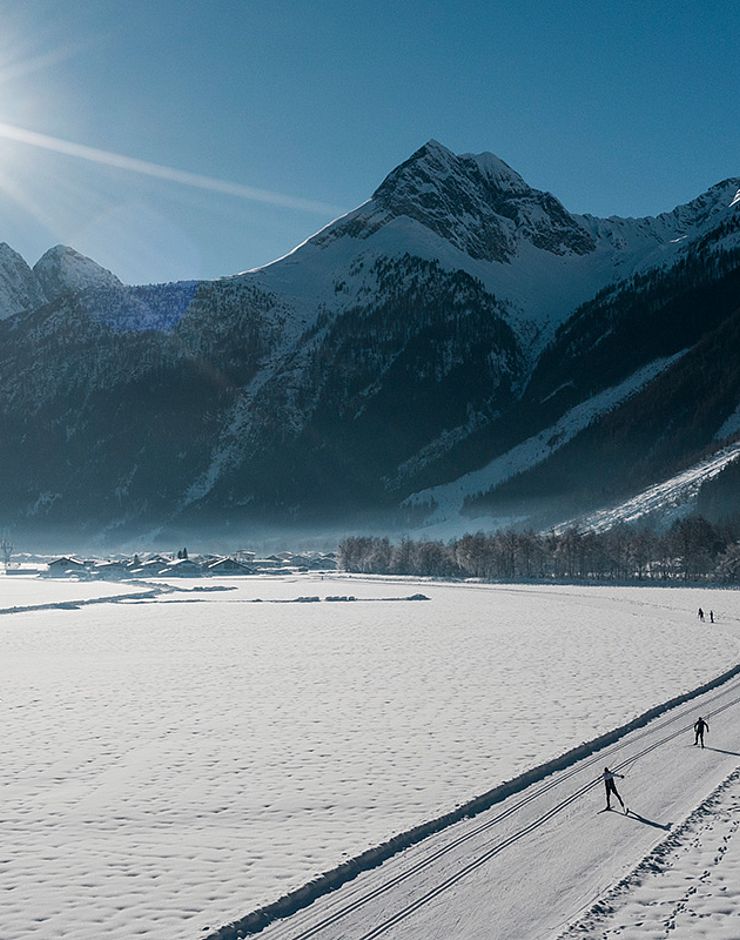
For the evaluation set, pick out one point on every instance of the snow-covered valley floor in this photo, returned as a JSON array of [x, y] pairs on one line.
[[170, 764]]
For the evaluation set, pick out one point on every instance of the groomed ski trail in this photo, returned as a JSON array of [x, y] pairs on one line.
[[526, 867]]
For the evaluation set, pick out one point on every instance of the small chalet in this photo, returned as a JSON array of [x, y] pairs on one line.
[[267, 563], [148, 569], [228, 566], [111, 570], [182, 568], [62, 566]]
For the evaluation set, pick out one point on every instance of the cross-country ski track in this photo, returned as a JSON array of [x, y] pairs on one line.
[[526, 867]]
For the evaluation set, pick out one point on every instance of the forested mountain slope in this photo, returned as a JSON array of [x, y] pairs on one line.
[[452, 317]]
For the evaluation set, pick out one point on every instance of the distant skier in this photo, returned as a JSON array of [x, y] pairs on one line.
[[699, 728], [611, 787], [701, 615], [711, 616]]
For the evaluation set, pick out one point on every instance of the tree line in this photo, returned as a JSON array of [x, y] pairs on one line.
[[693, 549]]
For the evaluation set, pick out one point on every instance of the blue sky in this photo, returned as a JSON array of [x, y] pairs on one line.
[[616, 107]]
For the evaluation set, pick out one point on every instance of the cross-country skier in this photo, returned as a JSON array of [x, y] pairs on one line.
[[608, 777], [711, 616], [701, 615], [700, 727]]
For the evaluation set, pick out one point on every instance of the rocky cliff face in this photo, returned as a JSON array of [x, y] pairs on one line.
[[452, 316], [476, 203]]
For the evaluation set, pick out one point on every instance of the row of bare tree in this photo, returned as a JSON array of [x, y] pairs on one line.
[[691, 550]]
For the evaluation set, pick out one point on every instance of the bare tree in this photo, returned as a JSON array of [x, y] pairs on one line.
[[6, 549]]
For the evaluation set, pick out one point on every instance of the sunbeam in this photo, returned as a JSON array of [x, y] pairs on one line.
[[159, 171], [23, 66]]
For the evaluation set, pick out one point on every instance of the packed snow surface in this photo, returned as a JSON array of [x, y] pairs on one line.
[[170, 764], [529, 866], [688, 887]]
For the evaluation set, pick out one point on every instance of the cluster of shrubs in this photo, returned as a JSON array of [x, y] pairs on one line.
[[693, 549]]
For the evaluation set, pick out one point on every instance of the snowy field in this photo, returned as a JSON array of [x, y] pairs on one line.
[[170, 764]]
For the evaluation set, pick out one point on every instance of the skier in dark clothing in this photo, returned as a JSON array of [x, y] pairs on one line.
[[711, 616], [608, 778], [699, 728], [701, 615]]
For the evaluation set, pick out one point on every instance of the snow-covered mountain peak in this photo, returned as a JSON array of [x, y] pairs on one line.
[[433, 148], [686, 221], [62, 269], [433, 169], [19, 289], [497, 171], [475, 203], [705, 207], [7, 251], [433, 163]]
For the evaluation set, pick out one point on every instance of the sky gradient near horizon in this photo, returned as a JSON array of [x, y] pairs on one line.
[[276, 116]]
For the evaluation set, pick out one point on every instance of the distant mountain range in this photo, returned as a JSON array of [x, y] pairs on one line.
[[459, 352]]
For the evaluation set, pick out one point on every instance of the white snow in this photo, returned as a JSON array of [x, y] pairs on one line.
[[171, 764], [688, 887], [532, 864], [448, 498], [62, 269], [27, 591], [673, 498]]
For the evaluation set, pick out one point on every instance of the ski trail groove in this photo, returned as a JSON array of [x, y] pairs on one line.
[[516, 836], [450, 846], [330, 881]]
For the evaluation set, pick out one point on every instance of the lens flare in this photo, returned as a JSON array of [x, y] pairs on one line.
[[159, 171]]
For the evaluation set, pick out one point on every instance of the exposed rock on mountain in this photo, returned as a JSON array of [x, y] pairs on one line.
[[439, 329]]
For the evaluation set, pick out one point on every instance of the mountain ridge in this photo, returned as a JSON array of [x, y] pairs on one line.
[[408, 342]]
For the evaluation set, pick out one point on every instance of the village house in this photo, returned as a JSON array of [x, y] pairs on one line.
[[110, 570], [182, 568], [60, 567], [148, 569], [228, 566]]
